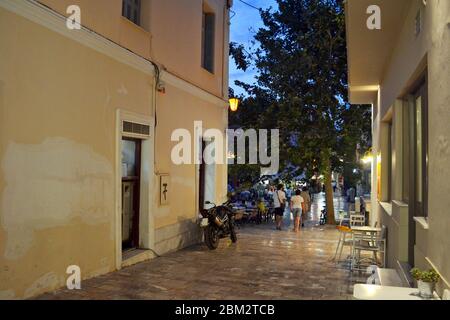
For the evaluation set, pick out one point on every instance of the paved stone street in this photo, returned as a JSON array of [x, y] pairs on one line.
[[264, 264]]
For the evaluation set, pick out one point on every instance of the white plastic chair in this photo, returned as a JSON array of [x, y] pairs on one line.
[[364, 242], [357, 220]]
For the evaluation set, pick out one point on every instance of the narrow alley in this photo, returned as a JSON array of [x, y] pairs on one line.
[[263, 264]]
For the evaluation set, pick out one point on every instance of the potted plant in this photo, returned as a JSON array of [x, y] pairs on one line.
[[426, 280]]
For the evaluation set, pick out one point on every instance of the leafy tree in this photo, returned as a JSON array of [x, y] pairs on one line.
[[302, 88], [250, 115], [238, 53]]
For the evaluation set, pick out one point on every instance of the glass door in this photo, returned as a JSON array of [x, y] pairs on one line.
[[131, 172]]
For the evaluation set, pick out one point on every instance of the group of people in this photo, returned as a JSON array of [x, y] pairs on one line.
[[299, 204]]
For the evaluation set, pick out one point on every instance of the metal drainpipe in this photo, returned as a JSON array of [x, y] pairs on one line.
[[225, 40], [157, 79]]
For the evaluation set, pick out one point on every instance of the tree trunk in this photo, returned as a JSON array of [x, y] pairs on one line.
[[329, 192]]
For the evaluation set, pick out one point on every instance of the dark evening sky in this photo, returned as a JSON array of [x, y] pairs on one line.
[[245, 22]]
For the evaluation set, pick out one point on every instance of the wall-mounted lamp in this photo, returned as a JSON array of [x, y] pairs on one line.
[[234, 103], [368, 157]]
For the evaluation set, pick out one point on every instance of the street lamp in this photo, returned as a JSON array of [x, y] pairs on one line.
[[368, 157], [234, 103]]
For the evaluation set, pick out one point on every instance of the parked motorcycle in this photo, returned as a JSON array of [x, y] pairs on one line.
[[218, 223]]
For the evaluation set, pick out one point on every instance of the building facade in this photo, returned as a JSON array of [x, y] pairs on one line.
[[401, 67], [86, 123]]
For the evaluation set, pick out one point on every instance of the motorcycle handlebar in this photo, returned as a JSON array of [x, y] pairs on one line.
[[226, 204]]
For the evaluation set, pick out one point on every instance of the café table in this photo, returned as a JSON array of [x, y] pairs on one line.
[[377, 292], [365, 229], [365, 233]]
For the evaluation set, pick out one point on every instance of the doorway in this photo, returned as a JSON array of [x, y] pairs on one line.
[[207, 175], [131, 182]]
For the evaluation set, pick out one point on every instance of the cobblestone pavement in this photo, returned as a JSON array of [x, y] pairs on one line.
[[263, 264]]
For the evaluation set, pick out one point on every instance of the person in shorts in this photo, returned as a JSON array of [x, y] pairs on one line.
[[297, 207], [279, 203]]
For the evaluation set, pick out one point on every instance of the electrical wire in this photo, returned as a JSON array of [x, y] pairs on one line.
[[234, 13], [250, 5]]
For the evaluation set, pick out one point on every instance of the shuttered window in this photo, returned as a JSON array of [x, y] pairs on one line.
[[131, 9], [208, 38]]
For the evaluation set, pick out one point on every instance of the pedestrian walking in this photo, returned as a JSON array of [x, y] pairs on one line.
[[297, 207], [279, 203], [307, 202]]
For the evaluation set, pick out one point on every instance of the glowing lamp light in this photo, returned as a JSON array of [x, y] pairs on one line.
[[368, 157], [234, 103]]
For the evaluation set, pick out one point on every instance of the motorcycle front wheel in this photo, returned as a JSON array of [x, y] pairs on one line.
[[233, 235], [212, 237]]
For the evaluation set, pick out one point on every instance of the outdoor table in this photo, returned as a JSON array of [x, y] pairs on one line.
[[369, 235], [365, 229], [376, 292]]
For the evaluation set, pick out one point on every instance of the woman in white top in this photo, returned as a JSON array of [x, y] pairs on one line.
[[279, 201], [297, 206]]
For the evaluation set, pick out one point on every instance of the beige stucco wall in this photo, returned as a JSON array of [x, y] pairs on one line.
[[57, 155], [58, 102], [409, 58], [178, 109], [438, 246], [170, 34]]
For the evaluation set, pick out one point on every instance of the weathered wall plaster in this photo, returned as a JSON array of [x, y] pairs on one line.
[[49, 184], [58, 103]]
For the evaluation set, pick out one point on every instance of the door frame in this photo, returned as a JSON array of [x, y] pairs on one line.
[[147, 182]]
